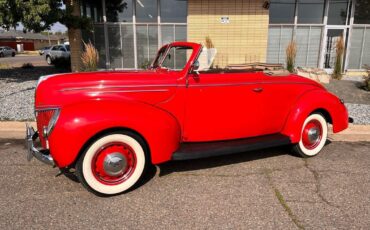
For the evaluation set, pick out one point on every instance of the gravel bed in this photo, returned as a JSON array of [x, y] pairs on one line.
[[17, 99], [360, 113]]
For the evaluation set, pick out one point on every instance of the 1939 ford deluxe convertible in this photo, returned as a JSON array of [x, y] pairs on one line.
[[109, 126]]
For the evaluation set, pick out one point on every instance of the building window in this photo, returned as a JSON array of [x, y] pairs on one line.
[[146, 10], [310, 11], [338, 10], [168, 14], [359, 52], [282, 11], [147, 44], [362, 12], [119, 11], [308, 39], [278, 40], [92, 9]]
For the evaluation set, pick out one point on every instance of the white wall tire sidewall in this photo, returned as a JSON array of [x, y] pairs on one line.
[[113, 189], [324, 125]]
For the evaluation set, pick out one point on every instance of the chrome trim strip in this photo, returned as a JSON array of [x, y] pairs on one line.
[[114, 87], [174, 85], [133, 91], [251, 83]]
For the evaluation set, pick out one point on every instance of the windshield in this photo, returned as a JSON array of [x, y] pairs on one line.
[[175, 59]]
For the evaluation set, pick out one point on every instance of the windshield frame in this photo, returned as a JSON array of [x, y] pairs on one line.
[[166, 49]]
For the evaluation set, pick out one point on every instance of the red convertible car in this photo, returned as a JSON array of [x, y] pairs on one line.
[[109, 126]]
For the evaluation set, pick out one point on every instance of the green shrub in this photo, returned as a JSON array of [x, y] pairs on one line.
[[27, 66]]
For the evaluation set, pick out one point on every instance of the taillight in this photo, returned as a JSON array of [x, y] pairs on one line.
[[46, 119]]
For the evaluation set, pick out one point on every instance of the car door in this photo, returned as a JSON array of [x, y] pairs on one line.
[[222, 106], [8, 51]]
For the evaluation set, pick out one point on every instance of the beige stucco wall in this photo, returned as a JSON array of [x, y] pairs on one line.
[[242, 40]]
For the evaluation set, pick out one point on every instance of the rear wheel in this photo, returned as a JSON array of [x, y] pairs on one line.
[[113, 163], [313, 136], [13, 54], [1, 55]]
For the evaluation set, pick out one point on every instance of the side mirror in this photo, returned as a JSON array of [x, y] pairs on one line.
[[195, 67]]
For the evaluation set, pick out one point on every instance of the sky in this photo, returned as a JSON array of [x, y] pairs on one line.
[[55, 28]]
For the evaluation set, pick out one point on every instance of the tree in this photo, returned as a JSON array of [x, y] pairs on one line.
[[34, 15], [39, 15]]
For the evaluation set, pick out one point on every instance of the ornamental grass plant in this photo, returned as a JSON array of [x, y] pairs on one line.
[[90, 57], [291, 53], [339, 50]]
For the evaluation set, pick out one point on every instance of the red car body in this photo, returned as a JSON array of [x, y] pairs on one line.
[[168, 108]]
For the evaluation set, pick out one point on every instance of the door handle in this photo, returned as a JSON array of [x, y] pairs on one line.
[[258, 90]]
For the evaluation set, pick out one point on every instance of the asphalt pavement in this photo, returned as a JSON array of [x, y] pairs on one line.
[[267, 189], [19, 60]]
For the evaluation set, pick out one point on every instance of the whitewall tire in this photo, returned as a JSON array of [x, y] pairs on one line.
[[314, 134], [112, 164]]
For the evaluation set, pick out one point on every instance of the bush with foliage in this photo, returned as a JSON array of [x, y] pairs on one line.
[[27, 66]]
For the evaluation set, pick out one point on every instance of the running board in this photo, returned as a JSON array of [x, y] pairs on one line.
[[195, 150]]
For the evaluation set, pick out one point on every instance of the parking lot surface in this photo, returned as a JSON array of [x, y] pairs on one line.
[[267, 189], [19, 60]]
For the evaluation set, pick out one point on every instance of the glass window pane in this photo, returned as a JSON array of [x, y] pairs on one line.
[[128, 46], [167, 34], [310, 11], [314, 48], [100, 44], [180, 33], [147, 44], [366, 52], [119, 11], [302, 36], [168, 12], [92, 9], [115, 51], [282, 11], [354, 61], [146, 10], [278, 40], [177, 58], [362, 12], [337, 12], [308, 46]]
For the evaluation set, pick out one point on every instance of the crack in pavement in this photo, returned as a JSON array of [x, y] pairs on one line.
[[318, 184], [282, 201]]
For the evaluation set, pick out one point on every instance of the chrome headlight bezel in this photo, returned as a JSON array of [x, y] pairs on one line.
[[52, 122]]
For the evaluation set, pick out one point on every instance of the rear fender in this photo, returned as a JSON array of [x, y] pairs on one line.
[[78, 123], [310, 102]]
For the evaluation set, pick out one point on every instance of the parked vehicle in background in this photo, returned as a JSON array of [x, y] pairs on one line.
[[42, 50], [6, 51], [109, 126], [57, 53]]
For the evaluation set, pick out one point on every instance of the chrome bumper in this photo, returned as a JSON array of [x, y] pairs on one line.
[[42, 155]]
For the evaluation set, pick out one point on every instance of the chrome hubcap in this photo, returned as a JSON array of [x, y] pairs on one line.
[[313, 134], [114, 164]]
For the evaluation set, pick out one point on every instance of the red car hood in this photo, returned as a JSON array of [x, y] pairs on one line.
[[61, 89]]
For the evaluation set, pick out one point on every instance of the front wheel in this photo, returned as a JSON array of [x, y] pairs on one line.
[[313, 136], [112, 164], [48, 60]]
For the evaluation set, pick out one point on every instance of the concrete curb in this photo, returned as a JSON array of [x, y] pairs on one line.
[[16, 130]]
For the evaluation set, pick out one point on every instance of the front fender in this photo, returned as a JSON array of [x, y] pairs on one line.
[[310, 102], [78, 123]]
